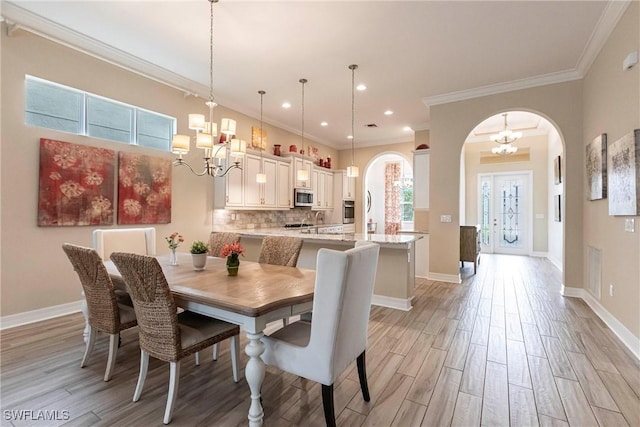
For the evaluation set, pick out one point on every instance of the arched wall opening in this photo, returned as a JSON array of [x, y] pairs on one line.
[[376, 176], [517, 199]]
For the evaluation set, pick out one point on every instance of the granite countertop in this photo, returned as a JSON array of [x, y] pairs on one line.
[[385, 239]]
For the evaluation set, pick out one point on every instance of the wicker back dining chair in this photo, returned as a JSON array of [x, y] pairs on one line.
[[163, 333], [105, 313], [280, 250], [218, 240], [322, 350]]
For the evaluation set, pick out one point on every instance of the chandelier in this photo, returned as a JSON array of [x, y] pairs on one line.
[[353, 171], [505, 138], [207, 132]]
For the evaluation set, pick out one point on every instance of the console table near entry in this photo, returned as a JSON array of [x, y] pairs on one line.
[[470, 245]]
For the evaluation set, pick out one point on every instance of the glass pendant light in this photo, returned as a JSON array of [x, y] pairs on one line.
[[353, 171]]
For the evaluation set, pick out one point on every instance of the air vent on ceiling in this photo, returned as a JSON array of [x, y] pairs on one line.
[[371, 125]]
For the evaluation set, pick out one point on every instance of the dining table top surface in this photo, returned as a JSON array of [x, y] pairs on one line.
[[257, 289]]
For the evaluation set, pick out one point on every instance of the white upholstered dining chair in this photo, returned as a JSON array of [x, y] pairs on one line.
[[134, 240], [322, 349]]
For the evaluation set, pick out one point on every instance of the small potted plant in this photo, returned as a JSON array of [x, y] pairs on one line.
[[199, 254]]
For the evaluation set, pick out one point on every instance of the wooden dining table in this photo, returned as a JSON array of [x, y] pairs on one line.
[[259, 294]]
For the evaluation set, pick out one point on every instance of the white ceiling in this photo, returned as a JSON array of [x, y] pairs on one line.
[[411, 54]]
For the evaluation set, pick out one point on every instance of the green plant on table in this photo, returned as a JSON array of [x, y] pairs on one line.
[[199, 247]]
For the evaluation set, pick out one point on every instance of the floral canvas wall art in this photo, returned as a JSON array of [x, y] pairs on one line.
[[623, 170], [76, 185], [597, 168], [144, 189]]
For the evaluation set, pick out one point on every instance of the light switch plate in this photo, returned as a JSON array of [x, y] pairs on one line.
[[445, 218], [630, 225]]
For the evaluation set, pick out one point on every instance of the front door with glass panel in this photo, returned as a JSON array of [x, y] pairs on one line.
[[504, 213]]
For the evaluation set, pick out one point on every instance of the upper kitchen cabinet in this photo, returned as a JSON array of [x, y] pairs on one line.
[[239, 189], [421, 160], [302, 164], [322, 184], [345, 186]]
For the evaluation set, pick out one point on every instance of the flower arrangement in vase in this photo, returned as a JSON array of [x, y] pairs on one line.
[[199, 251], [174, 240], [231, 251]]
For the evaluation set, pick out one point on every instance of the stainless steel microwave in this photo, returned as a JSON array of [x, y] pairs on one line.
[[302, 197]]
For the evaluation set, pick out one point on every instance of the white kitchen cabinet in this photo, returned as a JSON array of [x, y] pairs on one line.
[[421, 161], [284, 188], [345, 187], [241, 191], [322, 184], [302, 164], [234, 189]]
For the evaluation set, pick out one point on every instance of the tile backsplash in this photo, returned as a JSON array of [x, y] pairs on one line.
[[241, 219]]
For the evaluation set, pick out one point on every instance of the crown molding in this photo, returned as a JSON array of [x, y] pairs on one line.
[[603, 29], [607, 23], [43, 27], [543, 80]]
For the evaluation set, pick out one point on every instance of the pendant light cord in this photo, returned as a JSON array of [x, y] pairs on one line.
[[353, 111], [261, 92], [303, 81]]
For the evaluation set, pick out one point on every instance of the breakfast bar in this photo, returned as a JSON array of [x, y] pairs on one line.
[[395, 276]]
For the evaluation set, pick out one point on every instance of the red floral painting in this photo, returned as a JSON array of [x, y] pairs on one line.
[[144, 189], [76, 184]]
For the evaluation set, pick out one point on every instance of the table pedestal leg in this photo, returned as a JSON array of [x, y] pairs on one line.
[[254, 373], [85, 312]]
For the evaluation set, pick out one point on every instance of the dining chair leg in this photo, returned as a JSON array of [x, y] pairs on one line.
[[327, 403], [215, 351], [91, 339], [362, 374], [113, 351], [144, 365], [235, 351], [174, 380], [197, 358]]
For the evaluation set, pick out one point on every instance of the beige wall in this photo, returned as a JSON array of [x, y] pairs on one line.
[[537, 163], [35, 273], [612, 106], [362, 158], [450, 125]]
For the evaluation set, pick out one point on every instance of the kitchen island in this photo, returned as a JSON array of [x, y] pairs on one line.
[[395, 276]]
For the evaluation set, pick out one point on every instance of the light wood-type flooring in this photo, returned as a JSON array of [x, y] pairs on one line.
[[502, 348]]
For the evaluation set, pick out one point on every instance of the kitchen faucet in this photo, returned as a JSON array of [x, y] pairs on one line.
[[319, 214]]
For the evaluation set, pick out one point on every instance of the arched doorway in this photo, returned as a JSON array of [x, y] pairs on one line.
[[388, 194], [515, 198]]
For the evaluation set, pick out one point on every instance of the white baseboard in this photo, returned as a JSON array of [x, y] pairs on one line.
[[391, 302], [449, 278], [556, 262], [27, 317], [540, 254], [626, 336]]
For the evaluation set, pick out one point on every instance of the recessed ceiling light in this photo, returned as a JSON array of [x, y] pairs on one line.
[[407, 129], [286, 105], [350, 137], [324, 124], [361, 86], [388, 113]]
